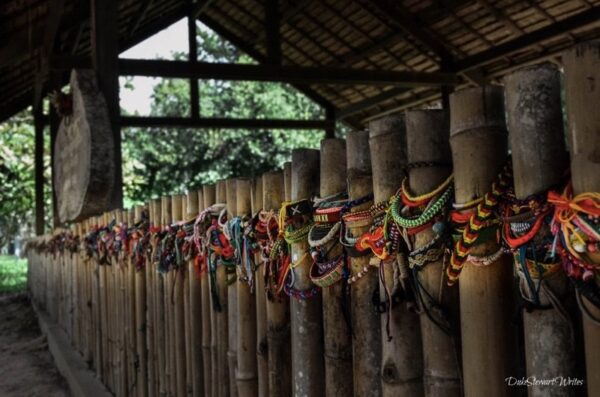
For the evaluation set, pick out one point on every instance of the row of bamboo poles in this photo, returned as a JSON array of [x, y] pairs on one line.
[[149, 333]]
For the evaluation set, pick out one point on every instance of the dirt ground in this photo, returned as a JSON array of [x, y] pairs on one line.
[[26, 366]]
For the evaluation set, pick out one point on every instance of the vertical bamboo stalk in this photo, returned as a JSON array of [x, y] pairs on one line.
[[306, 315], [337, 335], [539, 161], [208, 348], [122, 325], [261, 302], [159, 316], [478, 142], [150, 311], [103, 316], [221, 332], [428, 140], [277, 307], [366, 332], [195, 313], [247, 382], [185, 280], [177, 306], [401, 356], [582, 73], [232, 300], [96, 312], [140, 325]]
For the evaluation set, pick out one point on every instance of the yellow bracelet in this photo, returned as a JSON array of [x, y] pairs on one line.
[[426, 196]]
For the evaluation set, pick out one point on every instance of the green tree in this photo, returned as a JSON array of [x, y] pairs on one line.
[[161, 161]]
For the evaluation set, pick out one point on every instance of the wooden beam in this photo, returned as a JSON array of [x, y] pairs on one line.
[[407, 22], [370, 102], [105, 59], [141, 14], [252, 52], [559, 28], [272, 31], [284, 74], [182, 122]]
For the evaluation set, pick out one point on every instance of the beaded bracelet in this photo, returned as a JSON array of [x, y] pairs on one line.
[[332, 232], [330, 276], [433, 209], [427, 196]]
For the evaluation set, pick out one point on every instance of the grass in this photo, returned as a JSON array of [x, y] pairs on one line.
[[13, 274]]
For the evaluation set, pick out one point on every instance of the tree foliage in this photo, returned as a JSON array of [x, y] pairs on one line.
[[161, 161]]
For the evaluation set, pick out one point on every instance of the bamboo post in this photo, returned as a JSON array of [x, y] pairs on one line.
[[103, 315], [337, 335], [196, 321], [208, 322], [277, 307], [261, 302], [366, 332], [185, 280], [138, 311], [121, 324], [232, 300], [169, 317], [177, 306], [96, 310], [150, 311], [159, 317], [427, 138], [246, 376], [306, 316], [582, 72], [401, 356], [478, 142], [221, 332]]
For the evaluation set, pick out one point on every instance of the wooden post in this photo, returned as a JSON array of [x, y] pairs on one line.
[[287, 180], [105, 57], [366, 332], [306, 316], [221, 332], [169, 315], [427, 140], [478, 141], [278, 308], [337, 335], [261, 302], [401, 356], [582, 72], [232, 300], [246, 376], [177, 306], [195, 201], [208, 349]]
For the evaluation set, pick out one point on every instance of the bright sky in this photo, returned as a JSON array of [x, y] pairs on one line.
[[161, 45]]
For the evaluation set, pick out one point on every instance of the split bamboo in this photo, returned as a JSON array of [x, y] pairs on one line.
[[185, 280], [159, 317], [479, 150], [246, 375], [336, 302], [427, 141], [366, 332], [582, 73], [277, 307], [150, 311], [138, 311], [306, 315], [401, 354]]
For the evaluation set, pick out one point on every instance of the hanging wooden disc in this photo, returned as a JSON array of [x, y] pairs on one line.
[[83, 162]]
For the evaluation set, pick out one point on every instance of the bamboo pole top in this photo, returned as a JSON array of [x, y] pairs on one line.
[[231, 196], [244, 201], [332, 166], [257, 194], [209, 195], [273, 190], [287, 177], [192, 203], [221, 192], [478, 108], [305, 173], [534, 108], [358, 156]]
